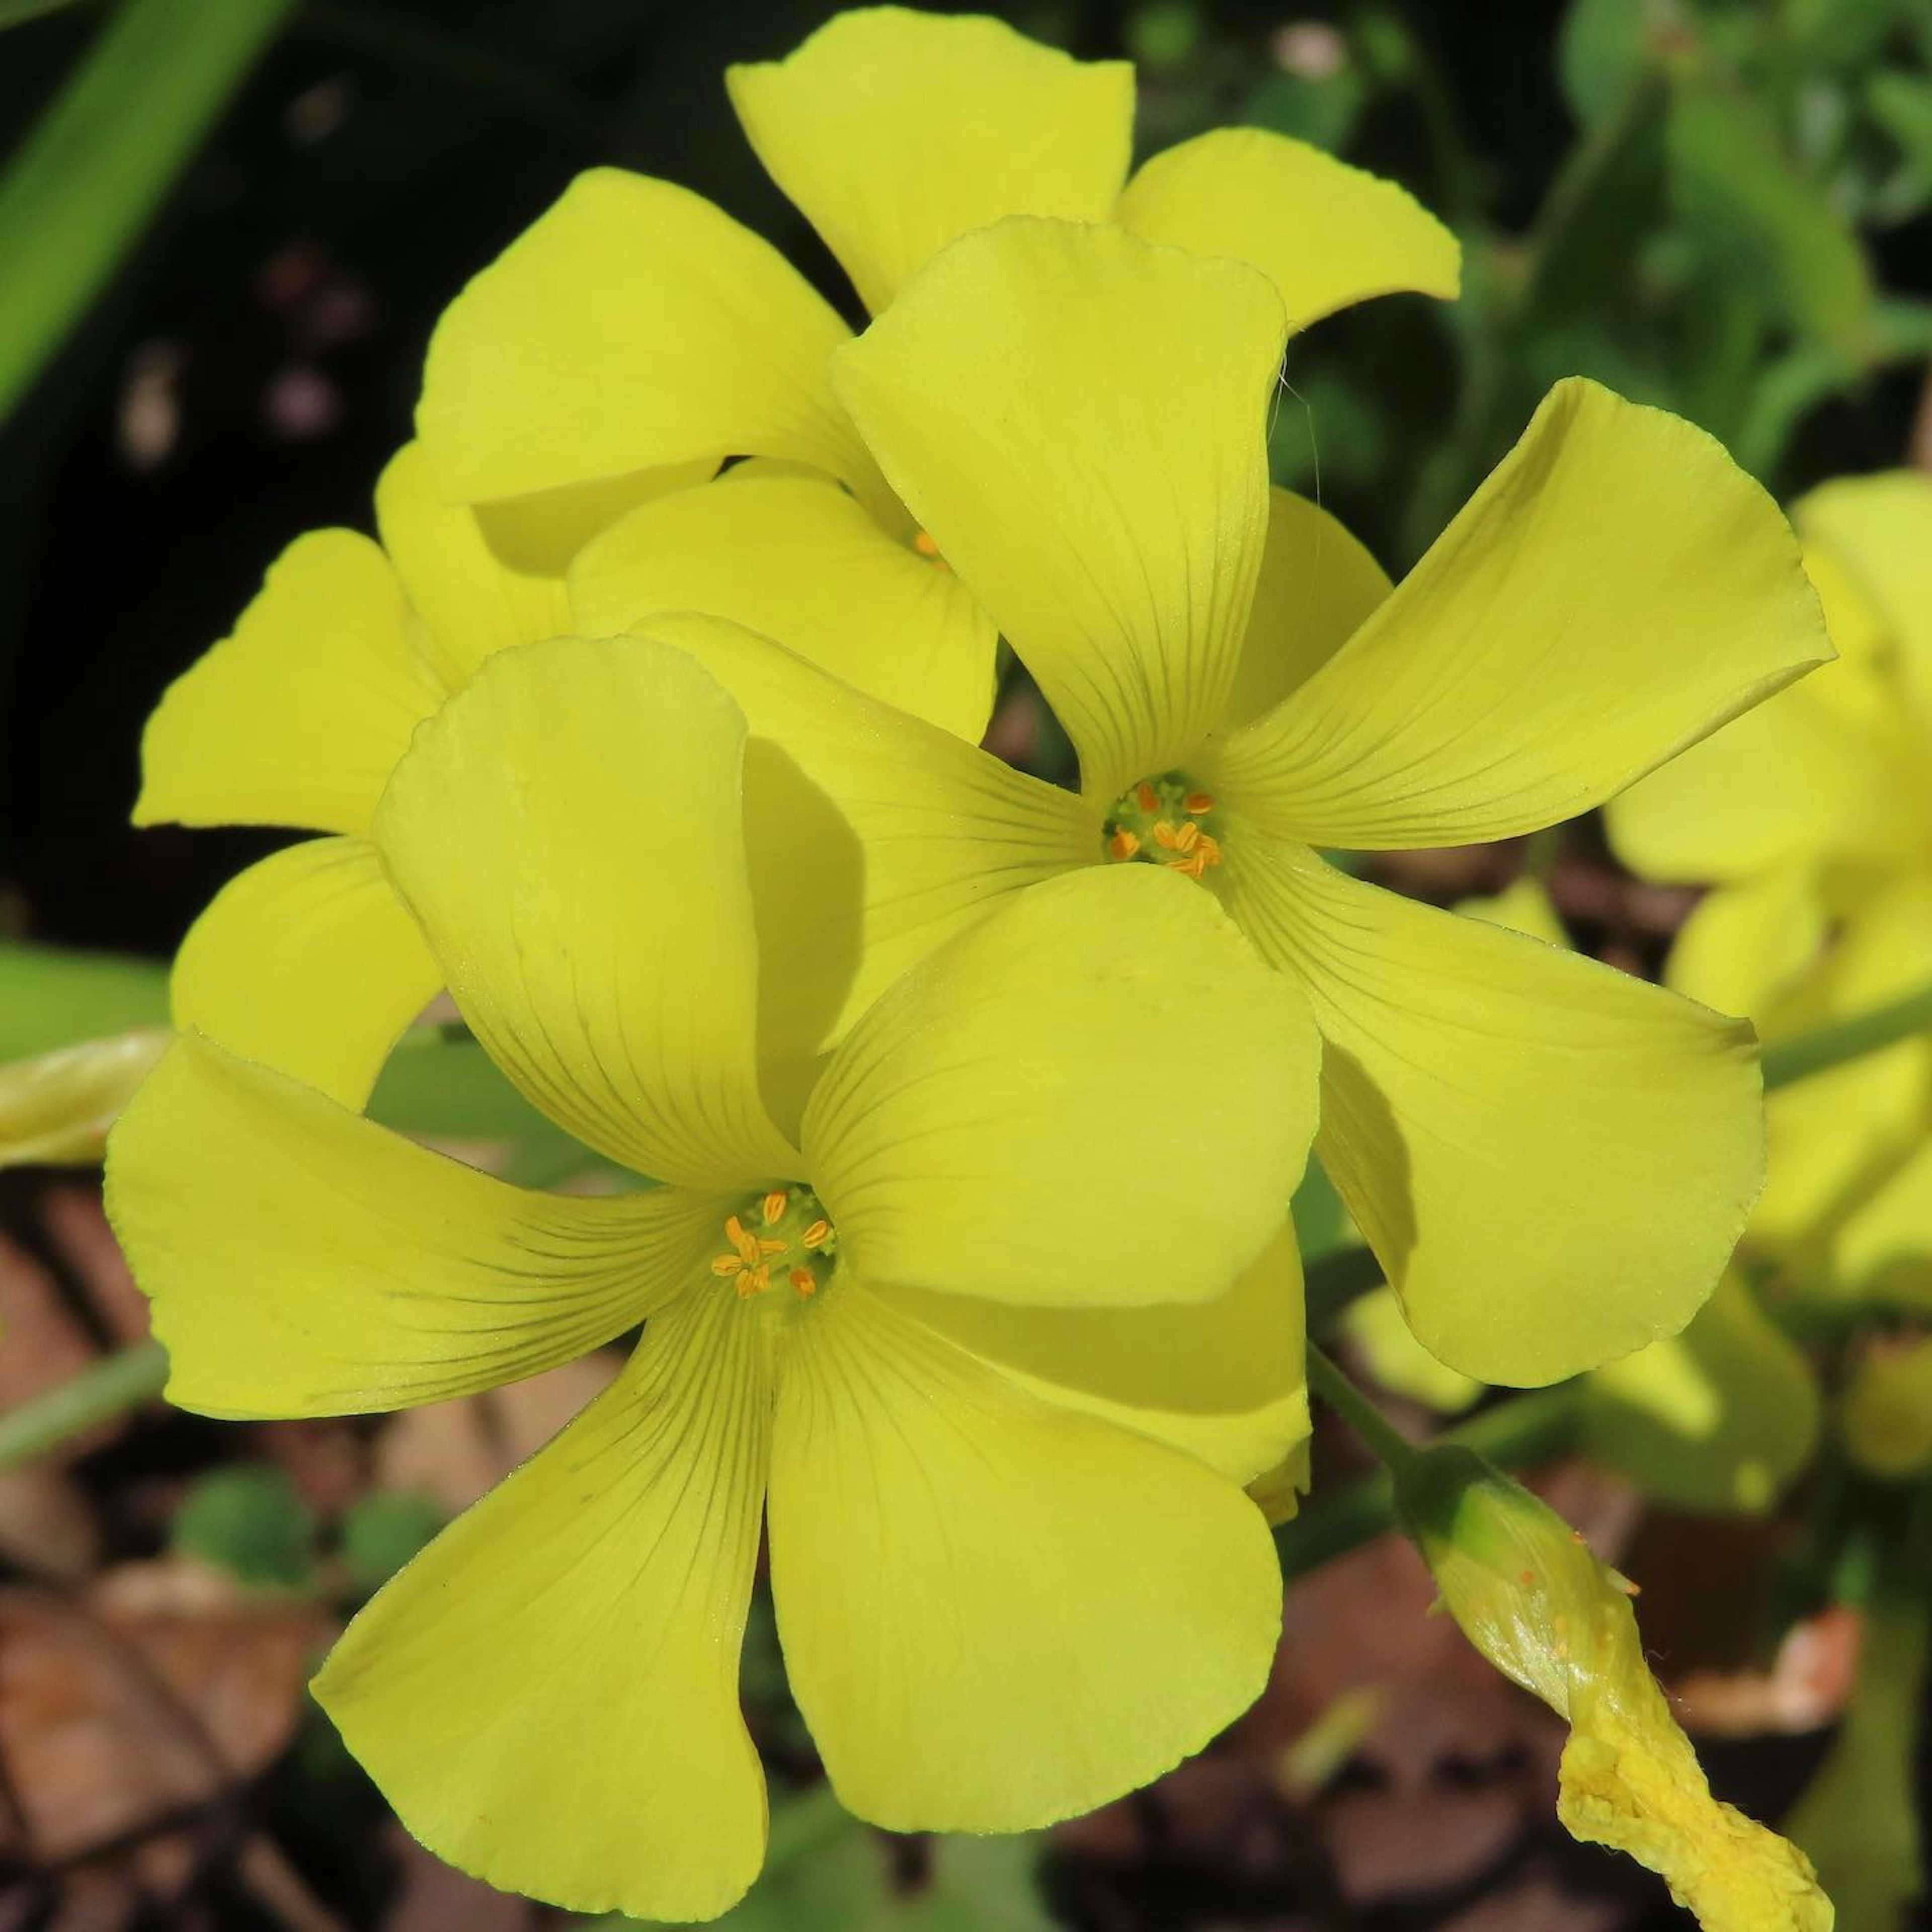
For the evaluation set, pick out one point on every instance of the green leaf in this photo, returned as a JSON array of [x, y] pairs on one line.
[[51, 996], [78, 191], [383, 1530], [977, 1885], [1760, 221], [250, 1521], [1601, 48]]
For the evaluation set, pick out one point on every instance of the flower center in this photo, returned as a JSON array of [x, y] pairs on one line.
[[1165, 821], [780, 1239]]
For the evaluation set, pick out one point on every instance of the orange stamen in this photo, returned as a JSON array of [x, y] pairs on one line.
[[726, 1264], [803, 1280], [774, 1205], [925, 545], [818, 1234], [1165, 837], [1146, 797], [1198, 802], [1124, 844]]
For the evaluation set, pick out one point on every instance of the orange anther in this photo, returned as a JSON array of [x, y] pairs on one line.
[[1165, 837], [805, 1281], [774, 1205], [1122, 845], [1146, 797], [726, 1264], [769, 1246], [1197, 802], [818, 1234], [1187, 837], [924, 544]]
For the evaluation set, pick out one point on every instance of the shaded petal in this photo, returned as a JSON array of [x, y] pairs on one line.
[[797, 559], [470, 601], [989, 1127], [1223, 1380], [537, 536], [997, 1612], [299, 716], [1318, 586], [1615, 590], [1721, 1418], [568, 833], [1325, 234], [303, 1261], [548, 1695], [308, 963], [1880, 1251], [893, 132], [633, 324], [1552, 1161], [1879, 528], [1078, 420], [873, 837]]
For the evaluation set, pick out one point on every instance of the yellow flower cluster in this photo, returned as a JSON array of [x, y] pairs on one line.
[[649, 732]]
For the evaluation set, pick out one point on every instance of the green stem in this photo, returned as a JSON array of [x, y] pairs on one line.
[[77, 192], [1328, 1379], [1519, 1433], [105, 1389], [1830, 1046]]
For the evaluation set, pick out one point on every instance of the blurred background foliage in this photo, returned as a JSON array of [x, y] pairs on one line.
[[242, 224]]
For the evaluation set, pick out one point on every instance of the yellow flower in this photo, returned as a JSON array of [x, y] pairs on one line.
[[1551, 1159], [636, 324], [1528, 1593], [1812, 819], [995, 1396], [57, 1106]]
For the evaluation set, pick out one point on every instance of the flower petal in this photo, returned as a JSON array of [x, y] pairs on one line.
[[568, 832], [796, 558], [470, 602], [992, 1126], [1617, 589], [633, 324], [548, 1695], [997, 1612], [1744, 945], [1552, 1161], [893, 132], [1319, 586], [873, 837], [1222, 1380], [1325, 234], [298, 717], [303, 1261], [308, 963], [1078, 419], [1719, 1419]]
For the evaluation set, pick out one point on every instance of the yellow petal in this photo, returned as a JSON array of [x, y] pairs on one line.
[[1552, 1161], [1887, 1419], [1525, 906], [303, 1261], [1317, 587], [1223, 1380], [309, 963], [1879, 529], [568, 833], [1325, 234], [470, 602], [1878, 1245], [548, 1695], [995, 1612], [873, 837], [298, 717], [1721, 1418], [1616, 588], [56, 1107], [1078, 419], [990, 1127], [1744, 945], [631, 325], [537, 536], [795, 558], [894, 131]]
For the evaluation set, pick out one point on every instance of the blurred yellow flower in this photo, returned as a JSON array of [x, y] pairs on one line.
[[1810, 821], [995, 1400], [1551, 1160], [635, 325], [1530, 1595]]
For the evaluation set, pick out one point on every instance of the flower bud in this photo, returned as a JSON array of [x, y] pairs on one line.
[[1530, 1595], [57, 1107]]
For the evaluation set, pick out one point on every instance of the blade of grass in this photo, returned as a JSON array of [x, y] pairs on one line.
[[76, 194]]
